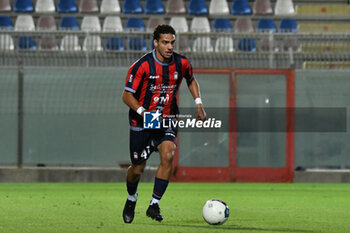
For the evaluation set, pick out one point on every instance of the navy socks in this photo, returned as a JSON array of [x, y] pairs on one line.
[[132, 187], [160, 186]]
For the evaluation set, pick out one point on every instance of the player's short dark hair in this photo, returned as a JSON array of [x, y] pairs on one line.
[[162, 29]]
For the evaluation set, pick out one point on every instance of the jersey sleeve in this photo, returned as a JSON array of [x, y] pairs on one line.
[[134, 77], [188, 72]]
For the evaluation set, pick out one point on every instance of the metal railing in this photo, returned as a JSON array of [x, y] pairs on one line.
[[215, 49]]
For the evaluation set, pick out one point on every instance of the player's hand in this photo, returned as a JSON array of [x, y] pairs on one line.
[[200, 113]]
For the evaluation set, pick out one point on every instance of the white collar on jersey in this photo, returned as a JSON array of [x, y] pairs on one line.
[[162, 63]]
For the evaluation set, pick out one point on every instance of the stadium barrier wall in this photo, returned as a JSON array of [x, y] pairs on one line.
[[74, 117]]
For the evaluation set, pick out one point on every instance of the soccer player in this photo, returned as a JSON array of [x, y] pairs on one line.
[[152, 84]]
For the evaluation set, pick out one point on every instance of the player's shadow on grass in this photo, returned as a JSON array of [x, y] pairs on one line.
[[234, 227]]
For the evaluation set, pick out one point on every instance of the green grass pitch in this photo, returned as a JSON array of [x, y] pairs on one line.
[[97, 207]]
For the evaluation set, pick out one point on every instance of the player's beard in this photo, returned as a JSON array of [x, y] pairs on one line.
[[167, 55]]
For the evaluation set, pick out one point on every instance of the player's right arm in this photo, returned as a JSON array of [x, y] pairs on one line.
[[131, 101], [132, 83]]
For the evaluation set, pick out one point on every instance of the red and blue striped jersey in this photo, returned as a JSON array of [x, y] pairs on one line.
[[155, 84]]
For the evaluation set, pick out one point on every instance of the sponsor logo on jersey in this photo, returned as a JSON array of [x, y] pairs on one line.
[[130, 78], [170, 134], [153, 76], [161, 99], [161, 88]]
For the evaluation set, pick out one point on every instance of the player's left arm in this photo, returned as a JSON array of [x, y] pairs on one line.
[[193, 86]]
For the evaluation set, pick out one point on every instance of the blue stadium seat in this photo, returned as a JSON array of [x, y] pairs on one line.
[[69, 23], [154, 7], [66, 6], [135, 24], [197, 7], [26, 42], [288, 25], [241, 7], [222, 25], [23, 6], [114, 43], [247, 45], [132, 7], [5, 23], [266, 25], [137, 43]]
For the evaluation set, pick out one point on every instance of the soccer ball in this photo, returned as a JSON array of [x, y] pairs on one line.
[[215, 212]]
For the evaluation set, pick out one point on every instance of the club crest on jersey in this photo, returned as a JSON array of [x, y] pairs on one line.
[[136, 155], [175, 75], [153, 76]]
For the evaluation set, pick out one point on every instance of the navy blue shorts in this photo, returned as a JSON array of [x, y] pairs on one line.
[[144, 142]]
